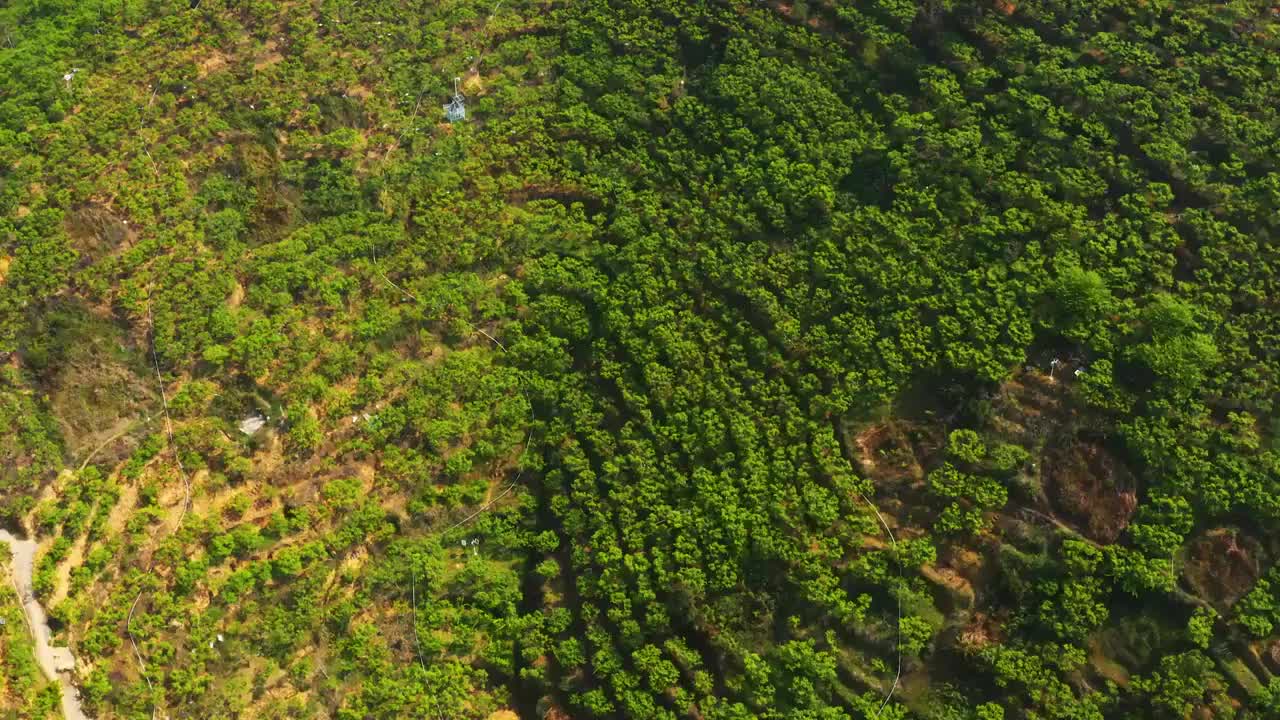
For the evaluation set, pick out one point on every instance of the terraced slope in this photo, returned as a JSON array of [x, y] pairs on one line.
[[730, 359]]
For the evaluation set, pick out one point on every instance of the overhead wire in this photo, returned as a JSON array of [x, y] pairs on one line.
[[172, 443], [492, 501], [417, 639], [186, 502], [893, 541], [524, 392]]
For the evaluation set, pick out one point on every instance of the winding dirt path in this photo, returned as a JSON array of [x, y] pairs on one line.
[[56, 663]]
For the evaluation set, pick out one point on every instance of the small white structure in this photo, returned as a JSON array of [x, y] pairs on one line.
[[252, 424]]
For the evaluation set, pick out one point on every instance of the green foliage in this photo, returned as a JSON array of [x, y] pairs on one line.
[[1259, 610], [1175, 350], [1037, 675], [305, 434], [1007, 458], [1181, 682], [1200, 627], [916, 633], [971, 495], [1082, 299], [966, 446], [989, 711], [708, 237], [1265, 702]]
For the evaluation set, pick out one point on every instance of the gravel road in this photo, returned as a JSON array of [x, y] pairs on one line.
[[56, 663]]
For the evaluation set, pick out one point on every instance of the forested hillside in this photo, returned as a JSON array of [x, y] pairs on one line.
[[730, 359]]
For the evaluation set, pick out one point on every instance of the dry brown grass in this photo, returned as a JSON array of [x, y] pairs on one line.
[[211, 63], [123, 508], [237, 296], [269, 57]]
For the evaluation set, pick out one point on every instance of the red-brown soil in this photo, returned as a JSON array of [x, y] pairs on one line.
[[1091, 488]]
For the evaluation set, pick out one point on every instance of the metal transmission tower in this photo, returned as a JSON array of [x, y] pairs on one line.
[[456, 109]]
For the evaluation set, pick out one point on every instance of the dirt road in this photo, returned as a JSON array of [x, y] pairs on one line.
[[56, 663]]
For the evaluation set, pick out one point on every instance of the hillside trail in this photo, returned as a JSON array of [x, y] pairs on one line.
[[57, 663]]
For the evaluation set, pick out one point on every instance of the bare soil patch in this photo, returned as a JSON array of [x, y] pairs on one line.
[[982, 631], [237, 296], [1087, 484], [1104, 666], [1222, 564], [1271, 656], [270, 57], [123, 508], [95, 390], [96, 232], [891, 452], [73, 560], [953, 590], [213, 62], [1028, 406]]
